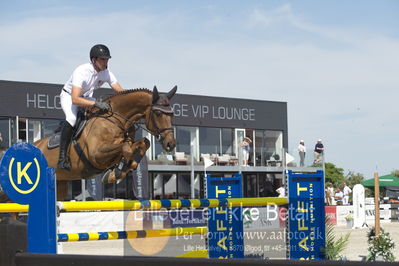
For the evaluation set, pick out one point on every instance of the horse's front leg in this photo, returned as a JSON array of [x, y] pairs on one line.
[[132, 154], [139, 151]]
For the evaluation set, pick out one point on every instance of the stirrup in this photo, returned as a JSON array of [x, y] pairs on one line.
[[64, 164]]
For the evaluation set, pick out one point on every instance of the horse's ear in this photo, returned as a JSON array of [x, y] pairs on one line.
[[155, 95], [172, 92]]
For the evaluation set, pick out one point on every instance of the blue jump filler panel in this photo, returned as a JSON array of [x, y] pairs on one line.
[[306, 215], [225, 224], [26, 179]]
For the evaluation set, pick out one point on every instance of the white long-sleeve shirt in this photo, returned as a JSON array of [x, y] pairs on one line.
[[88, 79]]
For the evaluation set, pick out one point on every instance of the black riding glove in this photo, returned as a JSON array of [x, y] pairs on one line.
[[103, 106]]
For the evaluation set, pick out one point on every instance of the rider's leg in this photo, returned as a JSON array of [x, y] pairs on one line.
[[70, 111], [66, 135]]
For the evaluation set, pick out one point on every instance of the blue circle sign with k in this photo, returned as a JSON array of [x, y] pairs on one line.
[[26, 179], [21, 169]]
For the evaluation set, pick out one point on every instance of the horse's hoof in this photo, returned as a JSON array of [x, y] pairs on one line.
[[105, 177]]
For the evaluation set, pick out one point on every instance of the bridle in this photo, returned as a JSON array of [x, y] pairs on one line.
[[167, 110]]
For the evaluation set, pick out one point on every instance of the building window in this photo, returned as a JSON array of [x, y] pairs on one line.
[[227, 141], [157, 148], [260, 149], [209, 140], [183, 139], [268, 147], [216, 140], [273, 145], [250, 186]]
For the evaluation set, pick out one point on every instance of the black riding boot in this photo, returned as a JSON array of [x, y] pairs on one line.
[[66, 135]]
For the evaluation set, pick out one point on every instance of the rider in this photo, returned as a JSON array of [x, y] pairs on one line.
[[78, 91]]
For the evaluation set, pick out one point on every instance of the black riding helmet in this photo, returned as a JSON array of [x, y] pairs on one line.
[[99, 51]]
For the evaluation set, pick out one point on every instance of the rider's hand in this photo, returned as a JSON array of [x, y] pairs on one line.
[[103, 106]]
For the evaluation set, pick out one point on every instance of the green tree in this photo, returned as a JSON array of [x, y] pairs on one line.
[[395, 173], [334, 175], [353, 178]]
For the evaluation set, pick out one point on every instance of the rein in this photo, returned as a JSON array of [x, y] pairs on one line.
[[120, 124]]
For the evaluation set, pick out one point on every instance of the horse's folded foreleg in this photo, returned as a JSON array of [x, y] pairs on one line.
[[132, 154], [142, 146]]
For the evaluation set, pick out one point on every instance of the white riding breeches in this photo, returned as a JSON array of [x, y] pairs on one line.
[[70, 110]]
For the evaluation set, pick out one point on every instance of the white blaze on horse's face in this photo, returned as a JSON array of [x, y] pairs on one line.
[[160, 119]]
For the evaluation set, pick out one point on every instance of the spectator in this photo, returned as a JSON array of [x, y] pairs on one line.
[[331, 192], [245, 150], [267, 189], [339, 195], [328, 195], [281, 191], [347, 191], [318, 152], [302, 153]]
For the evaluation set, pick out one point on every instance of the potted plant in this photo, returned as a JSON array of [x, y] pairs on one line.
[[349, 220], [380, 247], [334, 247]]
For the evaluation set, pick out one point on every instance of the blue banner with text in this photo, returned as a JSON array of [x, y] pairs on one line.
[[225, 224], [306, 215]]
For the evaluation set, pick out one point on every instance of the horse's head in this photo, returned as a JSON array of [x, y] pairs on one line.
[[159, 119]]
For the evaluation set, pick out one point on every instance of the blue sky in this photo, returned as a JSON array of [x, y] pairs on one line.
[[335, 63]]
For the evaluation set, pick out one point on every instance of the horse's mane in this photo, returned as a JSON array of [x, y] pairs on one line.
[[128, 92]]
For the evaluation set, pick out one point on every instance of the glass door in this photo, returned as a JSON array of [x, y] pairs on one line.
[[239, 135]]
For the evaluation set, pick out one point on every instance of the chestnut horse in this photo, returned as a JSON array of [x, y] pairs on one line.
[[109, 137]]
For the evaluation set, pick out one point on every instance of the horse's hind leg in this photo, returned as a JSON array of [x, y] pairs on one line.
[[132, 154]]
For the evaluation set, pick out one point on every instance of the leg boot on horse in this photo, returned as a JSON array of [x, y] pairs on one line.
[[66, 135]]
